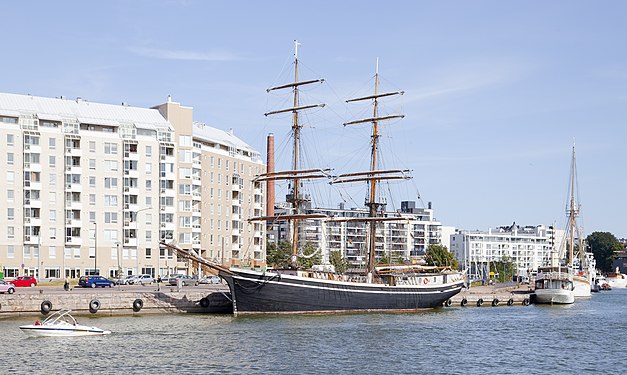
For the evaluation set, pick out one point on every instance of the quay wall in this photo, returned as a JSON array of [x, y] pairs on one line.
[[114, 302]]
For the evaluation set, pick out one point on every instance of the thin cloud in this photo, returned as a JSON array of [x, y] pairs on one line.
[[183, 55], [469, 76]]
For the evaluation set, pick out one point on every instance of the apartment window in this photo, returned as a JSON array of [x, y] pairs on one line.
[[185, 140], [92, 164], [92, 216], [52, 233], [226, 165], [92, 146], [92, 181], [111, 200], [185, 206], [185, 189], [52, 215], [111, 183], [111, 165], [10, 176], [52, 179], [148, 201], [148, 185], [10, 158], [10, 195], [148, 236], [219, 163], [111, 217], [92, 199], [111, 235], [111, 148], [148, 169], [52, 143], [11, 213], [10, 232], [10, 253], [52, 160], [148, 151], [148, 253]]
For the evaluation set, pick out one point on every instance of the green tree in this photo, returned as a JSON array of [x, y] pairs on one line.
[[438, 255], [340, 263], [603, 245], [278, 256], [310, 256], [505, 268]]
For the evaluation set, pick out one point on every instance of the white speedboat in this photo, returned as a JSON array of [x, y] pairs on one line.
[[61, 324]]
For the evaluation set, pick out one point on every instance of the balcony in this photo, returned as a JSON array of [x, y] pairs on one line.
[[73, 240]]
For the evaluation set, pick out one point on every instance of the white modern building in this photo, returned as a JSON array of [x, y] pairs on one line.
[[406, 238], [528, 247], [93, 188]]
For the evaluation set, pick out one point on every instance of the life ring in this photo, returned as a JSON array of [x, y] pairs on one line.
[[525, 302], [94, 306], [479, 302], [464, 302], [495, 302], [204, 302], [425, 281], [45, 307], [448, 303], [138, 304], [510, 302]]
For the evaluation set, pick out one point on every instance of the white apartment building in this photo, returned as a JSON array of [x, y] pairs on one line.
[[407, 237], [93, 188], [528, 247]]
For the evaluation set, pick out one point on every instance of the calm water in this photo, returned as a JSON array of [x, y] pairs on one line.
[[587, 337]]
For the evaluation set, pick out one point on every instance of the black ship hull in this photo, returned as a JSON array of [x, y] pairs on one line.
[[255, 292]]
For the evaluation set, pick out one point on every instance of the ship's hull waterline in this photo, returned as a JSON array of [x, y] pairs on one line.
[[255, 293]]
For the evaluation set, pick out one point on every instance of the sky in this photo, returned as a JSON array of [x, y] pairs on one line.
[[496, 92]]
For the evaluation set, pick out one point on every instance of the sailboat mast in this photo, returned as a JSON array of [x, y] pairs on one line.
[[296, 131], [572, 212], [373, 182]]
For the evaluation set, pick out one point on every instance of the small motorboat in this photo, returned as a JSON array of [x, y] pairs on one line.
[[61, 324]]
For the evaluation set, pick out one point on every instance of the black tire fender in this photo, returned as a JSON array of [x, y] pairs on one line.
[[138, 304], [525, 302], [45, 307], [464, 302], [204, 302], [94, 306], [495, 302], [448, 303], [479, 302], [510, 302]]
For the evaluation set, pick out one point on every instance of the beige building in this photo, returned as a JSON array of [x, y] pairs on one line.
[[94, 187]]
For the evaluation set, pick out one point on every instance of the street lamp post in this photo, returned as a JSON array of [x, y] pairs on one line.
[[95, 247]]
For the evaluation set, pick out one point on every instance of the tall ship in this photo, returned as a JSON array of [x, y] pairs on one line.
[[307, 290], [560, 284]]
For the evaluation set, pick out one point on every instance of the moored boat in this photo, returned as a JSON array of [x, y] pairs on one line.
[[554, 287], [61, 324], [298, 290]]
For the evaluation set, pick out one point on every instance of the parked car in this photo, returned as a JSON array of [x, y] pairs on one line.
[[211, 280], [185, 280], [6, 287], [94, 281], [25, 281], [126, 280], [144, 279]]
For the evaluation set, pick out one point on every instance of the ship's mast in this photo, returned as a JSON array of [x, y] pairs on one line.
[[374, 176], [295, 197], [573, 210]]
